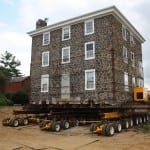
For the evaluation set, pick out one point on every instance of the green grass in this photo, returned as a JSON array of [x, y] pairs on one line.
[[145, 128]]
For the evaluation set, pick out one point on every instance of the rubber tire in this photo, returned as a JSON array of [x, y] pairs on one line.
[[65, 124], [12, 122], [110, 131], [104, 129], [130, 123], [125, 124], [25, 121], [116, 126], [136, 121], [54, 127]]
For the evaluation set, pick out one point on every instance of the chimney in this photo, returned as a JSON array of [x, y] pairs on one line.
[[41, 23]]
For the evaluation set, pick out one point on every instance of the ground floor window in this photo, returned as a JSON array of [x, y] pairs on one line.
[[44, 83], [126, 87], [90, 79]]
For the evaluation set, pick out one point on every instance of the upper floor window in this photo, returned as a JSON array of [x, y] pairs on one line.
[[46, 38], [45, 59], [131, 38], [66, 55], [66, 33], [140, 66], [90, 79], [44, 83], [132, 59], [89, 27], [126, 87], [140, 82], [133, 81], [89, 50], [124, 32], [125, 54]]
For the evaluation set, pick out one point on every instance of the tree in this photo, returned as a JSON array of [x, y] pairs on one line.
[[9, 62], [4, 77]]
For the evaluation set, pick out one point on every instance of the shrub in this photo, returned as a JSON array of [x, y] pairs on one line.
[[20, 97], [3, 100]]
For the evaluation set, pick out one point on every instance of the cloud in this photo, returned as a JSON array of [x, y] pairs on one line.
[[19, 45]]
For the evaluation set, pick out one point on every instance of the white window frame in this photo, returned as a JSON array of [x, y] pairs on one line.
[[124, 32], [45, 80], [133, 59], [63, 33], [126, 81], [125, 54], [140, 66], [62, 59], [85, 27], [140, 82], [43, 53], [132, 38], [133, 82], [85, 48], [48, 40], [87, 71]]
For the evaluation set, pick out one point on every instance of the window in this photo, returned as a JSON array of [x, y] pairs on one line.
[[46, 38], [89, 27], [65, 55], [90, 79], [132, 59], [66, 33], [141, 69], [45, 59], [124, 32], [131, 38], [126, 87], [89, 50], [140, 82], [133, 81], [44, 83], [125, 55]]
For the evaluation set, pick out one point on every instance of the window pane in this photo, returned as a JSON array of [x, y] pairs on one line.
[[89, 27], [90, 80], [65, 55], [44, 83], [46, 38]]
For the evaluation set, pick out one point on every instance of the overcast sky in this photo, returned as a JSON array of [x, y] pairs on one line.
[[17, 17]]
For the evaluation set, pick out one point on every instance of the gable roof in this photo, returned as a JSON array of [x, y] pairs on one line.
[[96, 14]]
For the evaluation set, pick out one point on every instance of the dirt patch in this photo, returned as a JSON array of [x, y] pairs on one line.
[[77, 138]]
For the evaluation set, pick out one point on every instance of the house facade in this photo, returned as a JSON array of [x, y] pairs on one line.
[[94, 58]]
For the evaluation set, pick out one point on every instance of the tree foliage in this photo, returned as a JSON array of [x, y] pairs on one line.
[[9, 62], [4, 77]]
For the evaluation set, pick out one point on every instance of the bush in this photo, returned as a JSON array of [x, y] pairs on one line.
[[3, 100], [20, 97]]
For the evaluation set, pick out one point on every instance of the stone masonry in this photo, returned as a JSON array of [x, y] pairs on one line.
[[108, 63]]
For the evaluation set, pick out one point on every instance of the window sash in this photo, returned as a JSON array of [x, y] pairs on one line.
[[90, 79], [124, 33], [44, 83], [46, 38], [125, 54], [126, 87], [132, 59], [89, 27], [89, 50], [66, 33], [45, 59], [66, 55]]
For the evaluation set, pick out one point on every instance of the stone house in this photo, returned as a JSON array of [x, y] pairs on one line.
[[94, 58]]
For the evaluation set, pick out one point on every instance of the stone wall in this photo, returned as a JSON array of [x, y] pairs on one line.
[[107, 36]]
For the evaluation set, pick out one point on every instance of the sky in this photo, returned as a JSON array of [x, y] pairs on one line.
[[17, 17]]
